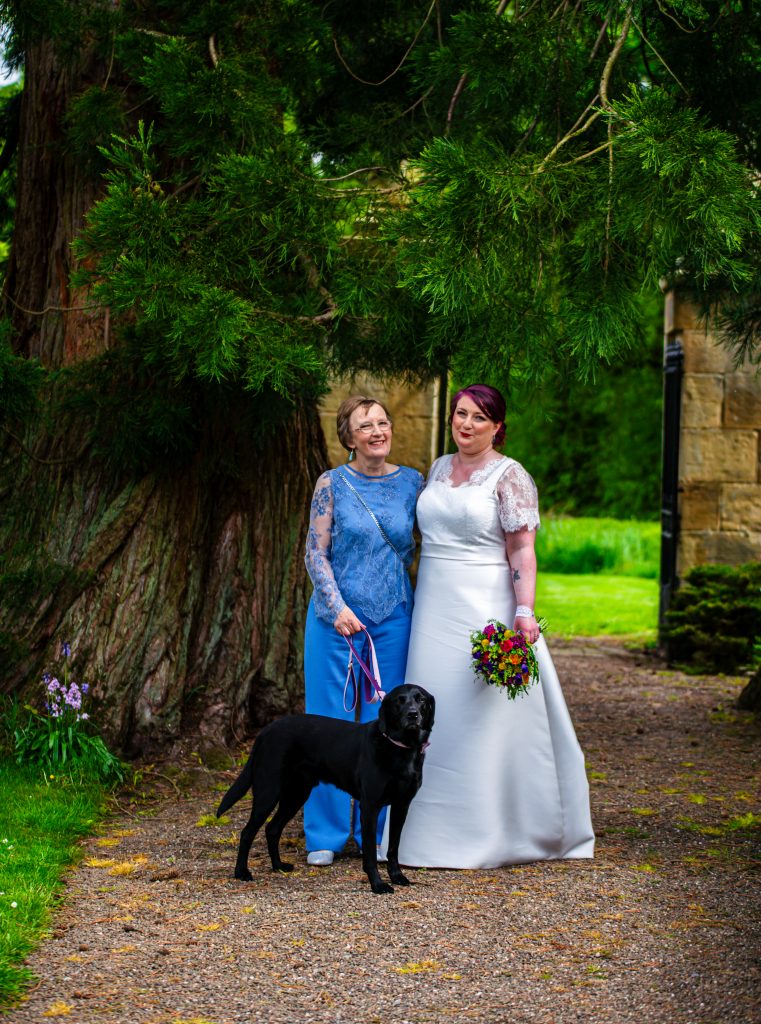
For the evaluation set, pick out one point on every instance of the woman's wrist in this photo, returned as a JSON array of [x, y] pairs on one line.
[[524, 612]]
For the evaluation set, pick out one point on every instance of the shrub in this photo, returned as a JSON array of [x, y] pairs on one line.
[[714, 622]]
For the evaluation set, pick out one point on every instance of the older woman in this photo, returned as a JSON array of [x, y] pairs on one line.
[[504, 780], [359, 550]]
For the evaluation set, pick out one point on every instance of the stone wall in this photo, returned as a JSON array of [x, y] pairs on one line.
[[720, 448], [415, 413]]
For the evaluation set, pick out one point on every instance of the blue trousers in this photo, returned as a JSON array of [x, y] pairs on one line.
[[328, 823]]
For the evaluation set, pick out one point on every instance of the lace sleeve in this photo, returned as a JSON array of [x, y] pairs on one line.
[[517, 499], [327, 597]]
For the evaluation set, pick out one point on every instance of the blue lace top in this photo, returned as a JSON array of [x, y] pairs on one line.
[[347, 559]]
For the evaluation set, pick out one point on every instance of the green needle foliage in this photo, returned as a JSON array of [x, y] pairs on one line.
[[292, 188]]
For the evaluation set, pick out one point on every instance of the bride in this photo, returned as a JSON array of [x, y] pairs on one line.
[[504, 780]]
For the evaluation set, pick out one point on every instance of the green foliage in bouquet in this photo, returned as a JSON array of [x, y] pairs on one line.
[[714, 622], [61, 737]]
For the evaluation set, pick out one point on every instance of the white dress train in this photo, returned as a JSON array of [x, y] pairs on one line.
[[504, 781]]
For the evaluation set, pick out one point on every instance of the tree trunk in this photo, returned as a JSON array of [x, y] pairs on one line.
[[183, 593], [183, 596], [53, 194]]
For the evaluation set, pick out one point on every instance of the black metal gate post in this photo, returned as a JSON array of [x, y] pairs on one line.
[[672, 403]]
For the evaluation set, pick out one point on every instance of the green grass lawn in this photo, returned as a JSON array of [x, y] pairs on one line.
[[598, 605], [615, 547], [40, 823]]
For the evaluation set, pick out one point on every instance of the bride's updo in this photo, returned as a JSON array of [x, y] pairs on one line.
[[489, 401]]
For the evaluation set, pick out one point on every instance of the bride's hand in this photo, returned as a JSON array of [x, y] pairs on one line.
[[346, 622], [528, 626]]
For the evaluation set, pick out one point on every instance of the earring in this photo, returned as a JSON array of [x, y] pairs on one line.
[[352, 454]]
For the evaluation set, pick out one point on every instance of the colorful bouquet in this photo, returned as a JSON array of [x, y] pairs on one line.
[[503, 657]]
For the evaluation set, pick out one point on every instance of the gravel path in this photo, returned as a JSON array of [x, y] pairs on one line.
[[664, 925]]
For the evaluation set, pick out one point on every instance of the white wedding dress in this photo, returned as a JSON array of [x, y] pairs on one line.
[[504, 781]]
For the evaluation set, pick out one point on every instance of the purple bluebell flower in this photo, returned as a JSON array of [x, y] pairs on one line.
[[73, 697], [66, 649], [85, 687]]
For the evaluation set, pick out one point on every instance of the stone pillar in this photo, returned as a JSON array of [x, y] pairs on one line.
[[720, 448], [415, 413]]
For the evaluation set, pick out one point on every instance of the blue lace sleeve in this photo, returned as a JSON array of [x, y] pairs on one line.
[[350, 561], [327, 596]]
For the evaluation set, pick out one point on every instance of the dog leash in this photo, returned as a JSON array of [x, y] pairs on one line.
[[372, 676]]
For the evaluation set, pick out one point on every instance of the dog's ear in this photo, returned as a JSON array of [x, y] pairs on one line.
[[382, 717], [430, 710]]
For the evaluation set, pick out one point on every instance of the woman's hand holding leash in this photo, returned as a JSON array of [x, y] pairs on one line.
[[346, 622]]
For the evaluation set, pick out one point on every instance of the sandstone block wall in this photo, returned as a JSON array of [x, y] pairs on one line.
[[720, 448], [415, 414]]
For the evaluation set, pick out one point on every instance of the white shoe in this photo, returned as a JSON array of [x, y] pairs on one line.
[[320, 858], [379, 855]]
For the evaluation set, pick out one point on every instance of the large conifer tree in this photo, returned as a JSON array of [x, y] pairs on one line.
[[218, 203]]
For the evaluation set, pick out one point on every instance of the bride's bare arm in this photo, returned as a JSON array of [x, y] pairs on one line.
[[522, 559]]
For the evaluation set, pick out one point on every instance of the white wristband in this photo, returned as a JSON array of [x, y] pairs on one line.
[[524, 612]]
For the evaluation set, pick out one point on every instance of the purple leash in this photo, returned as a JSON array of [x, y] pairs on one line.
[[373, 691]]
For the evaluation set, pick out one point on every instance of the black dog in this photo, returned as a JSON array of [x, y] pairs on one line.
[[379, 763]]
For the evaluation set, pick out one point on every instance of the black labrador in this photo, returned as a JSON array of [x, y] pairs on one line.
[[379, 763]]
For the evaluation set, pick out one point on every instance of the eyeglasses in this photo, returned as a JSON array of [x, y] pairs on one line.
[[368, 428]]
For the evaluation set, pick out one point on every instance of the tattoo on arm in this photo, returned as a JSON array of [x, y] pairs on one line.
[[516, 575]]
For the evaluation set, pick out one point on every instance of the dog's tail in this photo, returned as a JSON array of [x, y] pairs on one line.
[[239, 788]]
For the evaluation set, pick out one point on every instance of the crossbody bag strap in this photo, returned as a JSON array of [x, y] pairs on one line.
[[372, 515]]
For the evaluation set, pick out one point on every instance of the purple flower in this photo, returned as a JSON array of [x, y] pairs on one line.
[[85, 688], [66, 649], [74, 697]]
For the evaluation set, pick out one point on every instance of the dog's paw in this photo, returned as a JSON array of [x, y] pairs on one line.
[[398, 878], [381, 888], [283, 866], [244, 876]]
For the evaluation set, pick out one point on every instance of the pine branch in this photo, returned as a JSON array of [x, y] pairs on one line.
[[49, 309], [464, 77], [602, 94], [573, 132], [647, 42], [45, 462], [315, 282], [613, 56], [213, 54], [401, 62]]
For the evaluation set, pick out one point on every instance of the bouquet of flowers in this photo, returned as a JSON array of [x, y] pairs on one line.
[[503, 657]]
